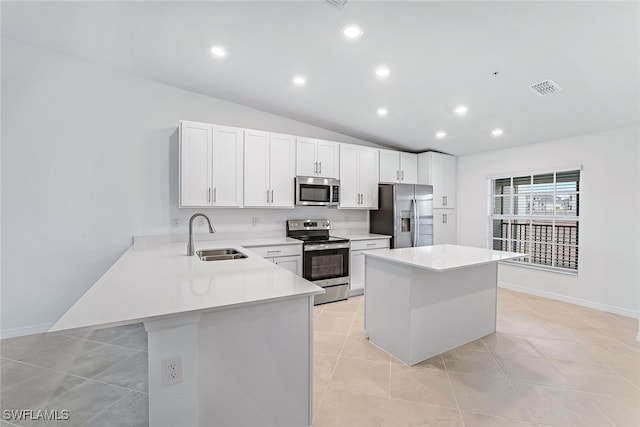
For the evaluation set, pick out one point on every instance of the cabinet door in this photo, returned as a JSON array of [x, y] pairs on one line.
[[291, 263], [328, 158], [449, 180], [349, 194], [356, 278], [408, 168], [195, 164], [256, 168], [389, 166], [282, 169], [444, 227], [368, 177], [424, 169], [306, 157], [227, 166]]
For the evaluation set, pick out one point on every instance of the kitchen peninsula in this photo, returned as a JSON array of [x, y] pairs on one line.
[[423, 301], [230, 342]]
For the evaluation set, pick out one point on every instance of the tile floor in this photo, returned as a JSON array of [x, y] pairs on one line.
[[549, 364]]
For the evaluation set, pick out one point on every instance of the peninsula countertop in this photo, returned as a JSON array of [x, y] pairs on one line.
[[443, 257], [156, 280]]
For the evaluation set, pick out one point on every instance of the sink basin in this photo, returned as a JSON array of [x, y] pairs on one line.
[[219, 254]]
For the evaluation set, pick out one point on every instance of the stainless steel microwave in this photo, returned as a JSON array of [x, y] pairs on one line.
[[313, 191]]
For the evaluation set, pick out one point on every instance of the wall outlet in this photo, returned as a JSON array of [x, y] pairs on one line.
[[171, 371], [175, 223], [254, 221]]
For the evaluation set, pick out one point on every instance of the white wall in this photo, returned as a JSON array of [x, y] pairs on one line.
[[609, 254], [89, 159]]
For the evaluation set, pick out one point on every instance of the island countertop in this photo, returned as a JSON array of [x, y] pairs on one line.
[[153, 281], [443, 257]]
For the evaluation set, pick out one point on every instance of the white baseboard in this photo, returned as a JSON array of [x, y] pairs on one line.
[[571, 300], [25, 330]]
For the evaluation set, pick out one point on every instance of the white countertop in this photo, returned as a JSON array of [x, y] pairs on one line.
[[443, 257], [154, 280], [359, 236]]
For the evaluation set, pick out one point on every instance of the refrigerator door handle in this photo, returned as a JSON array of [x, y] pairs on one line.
[[416, 221]]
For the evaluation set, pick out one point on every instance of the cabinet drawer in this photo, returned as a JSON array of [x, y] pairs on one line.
[[359, 245], [276, 251]]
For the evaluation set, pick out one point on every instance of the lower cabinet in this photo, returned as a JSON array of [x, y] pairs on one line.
[[286, 256], [444, 227], [357, 262]]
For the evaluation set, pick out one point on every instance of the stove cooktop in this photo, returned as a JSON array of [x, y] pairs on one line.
[[320, 239]]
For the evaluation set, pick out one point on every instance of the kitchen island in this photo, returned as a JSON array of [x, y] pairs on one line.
[[423, 301], [229, 342]]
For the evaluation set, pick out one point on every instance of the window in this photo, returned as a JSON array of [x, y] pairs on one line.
[[537, 215]]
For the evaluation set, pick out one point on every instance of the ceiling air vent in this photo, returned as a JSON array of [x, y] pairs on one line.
[[338, 4], [545, 87]]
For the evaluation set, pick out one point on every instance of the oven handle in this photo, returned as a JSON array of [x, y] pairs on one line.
[[323, 246]]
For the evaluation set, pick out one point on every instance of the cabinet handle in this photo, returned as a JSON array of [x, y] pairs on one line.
[[320, 166], [402, 175], [274, 252], [315, 167], [444, 218], [371, 244], [271, 196], [267, 196], [209, 194], [214, 194], [397, 175], [444, 200]]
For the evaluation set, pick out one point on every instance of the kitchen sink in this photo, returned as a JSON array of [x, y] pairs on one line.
[[219, 254]]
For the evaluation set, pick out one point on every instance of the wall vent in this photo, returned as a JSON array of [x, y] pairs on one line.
[[545, 87], [338, 4]]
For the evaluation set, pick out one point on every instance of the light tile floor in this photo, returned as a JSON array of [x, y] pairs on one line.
[[549, 364]]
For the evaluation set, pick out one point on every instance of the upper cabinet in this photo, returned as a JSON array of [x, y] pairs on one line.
[[439, 170], [398, 167], [358, 177], [269, 164], [316, 157], [211, 172]]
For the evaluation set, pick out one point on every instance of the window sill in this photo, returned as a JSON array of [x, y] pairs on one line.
[[542, 267]]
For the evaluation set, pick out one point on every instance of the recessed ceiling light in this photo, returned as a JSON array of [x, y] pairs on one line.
[[352, 31], [383, 72], [461, 110], [497, 132], [382, 111], [218, 51], [441, 134], [299, 80]]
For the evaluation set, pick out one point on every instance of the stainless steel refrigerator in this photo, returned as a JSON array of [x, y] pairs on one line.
[[405, 211]]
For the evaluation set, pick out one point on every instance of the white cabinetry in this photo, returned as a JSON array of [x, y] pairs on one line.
[[211, 172], [269, 164], [444, 227], [286, 256], [316, 157], [398, 167], [358, 177], [439, 170], [357, 262]]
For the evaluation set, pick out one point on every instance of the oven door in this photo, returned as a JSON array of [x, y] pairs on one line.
[[326, 264]]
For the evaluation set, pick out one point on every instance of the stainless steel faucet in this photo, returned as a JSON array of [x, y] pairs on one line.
[[190, 248]]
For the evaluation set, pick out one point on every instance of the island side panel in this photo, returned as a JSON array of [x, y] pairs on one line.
[[387, 306], [451, 308], [173, 338], [256, 365]]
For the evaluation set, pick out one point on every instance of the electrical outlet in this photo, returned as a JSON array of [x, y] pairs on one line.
[[172, 371], [254, 221], [175, 222]]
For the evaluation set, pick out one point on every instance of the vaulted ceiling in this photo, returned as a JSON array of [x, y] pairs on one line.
[[441, 55]]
